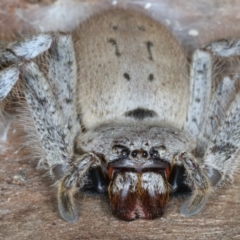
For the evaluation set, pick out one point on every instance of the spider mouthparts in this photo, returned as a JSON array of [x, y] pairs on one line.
[[136, 195], [127, 165]]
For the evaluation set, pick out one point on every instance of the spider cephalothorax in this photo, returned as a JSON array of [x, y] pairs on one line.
[[139, 166], [112, 110]]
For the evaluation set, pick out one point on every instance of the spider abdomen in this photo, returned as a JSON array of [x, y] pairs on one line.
[[132, 66]]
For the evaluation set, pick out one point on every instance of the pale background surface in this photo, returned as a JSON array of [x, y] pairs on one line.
[[28, 208]]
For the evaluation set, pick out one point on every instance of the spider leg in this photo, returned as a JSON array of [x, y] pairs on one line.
[[224, 48], [221, 126], [62, 78], [13, 54], [49, 92], [223, 149], [199, 182], [8, 77], [213, 118], [71, 182], [57, 94], [24, 50], [202, 101], [48, 120], [200, 92], [221, 100]]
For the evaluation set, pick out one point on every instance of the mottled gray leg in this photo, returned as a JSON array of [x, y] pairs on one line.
[[225, 48], [223, 149], [221, 100], [8, 77], [24, 50], [52, 101], [62, 78], [50, 91], [200, 92], [48, 119], [222, 124], [13, 54]]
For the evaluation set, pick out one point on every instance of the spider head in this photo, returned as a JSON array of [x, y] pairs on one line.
[[139, 167], [137, 163]]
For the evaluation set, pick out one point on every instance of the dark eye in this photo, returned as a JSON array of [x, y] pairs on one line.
[[134, 153], [145, 154], [154, 153], [125, 153]]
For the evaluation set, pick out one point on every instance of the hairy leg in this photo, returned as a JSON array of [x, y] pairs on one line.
[[213, 118], [223, 149], [49, 87], [71, 182], [221, 100], [224, 48], [200, 91], [221, 126], [198, 181]]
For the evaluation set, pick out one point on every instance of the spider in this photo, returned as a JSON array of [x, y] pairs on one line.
[[115, 108]]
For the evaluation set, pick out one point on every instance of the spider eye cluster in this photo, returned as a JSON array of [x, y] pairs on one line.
[[125, 153]]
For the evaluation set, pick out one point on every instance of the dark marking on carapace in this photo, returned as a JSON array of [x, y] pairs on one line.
[[127, 76], [151, 77], [114, 43], [149, 46], [141, 113]]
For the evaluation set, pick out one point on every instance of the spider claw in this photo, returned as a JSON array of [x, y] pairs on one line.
[[194, 205], [214, 176], [59, 170], [66, 203]]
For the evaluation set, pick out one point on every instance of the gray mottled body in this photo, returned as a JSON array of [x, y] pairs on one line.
[[116, 95]]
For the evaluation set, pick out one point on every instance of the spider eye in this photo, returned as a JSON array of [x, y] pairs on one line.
[[154, 153], [125, 153], [145, 154], [134, 153]]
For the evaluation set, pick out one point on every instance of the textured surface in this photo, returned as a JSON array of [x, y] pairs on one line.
[[28, 207]]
